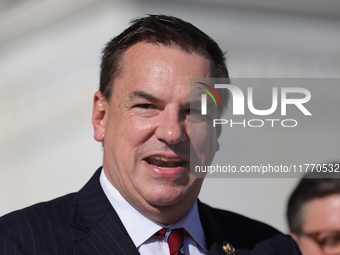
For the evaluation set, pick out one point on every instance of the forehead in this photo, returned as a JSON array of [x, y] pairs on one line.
[[322, 214], [149, 64], [146, 52]]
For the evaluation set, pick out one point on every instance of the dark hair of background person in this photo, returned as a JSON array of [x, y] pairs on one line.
[[163, 30], [312, 185]]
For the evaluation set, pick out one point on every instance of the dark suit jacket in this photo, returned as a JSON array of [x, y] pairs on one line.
[[86, 223]]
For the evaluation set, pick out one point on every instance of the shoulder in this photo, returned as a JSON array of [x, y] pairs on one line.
[[233, 220], [41, 214], [243, 233], [52, 227], [54, 213], [35, 227]]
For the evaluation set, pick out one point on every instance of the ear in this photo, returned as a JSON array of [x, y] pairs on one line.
[[98, 115]]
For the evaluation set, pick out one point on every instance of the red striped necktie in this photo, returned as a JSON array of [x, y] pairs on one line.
[[174, 238]]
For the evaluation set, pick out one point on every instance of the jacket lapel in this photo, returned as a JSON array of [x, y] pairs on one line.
[[108, 237], [103, 231], [216, 249], [216, 232]]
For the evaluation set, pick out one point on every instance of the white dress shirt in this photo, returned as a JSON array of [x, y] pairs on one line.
[[141, 229]]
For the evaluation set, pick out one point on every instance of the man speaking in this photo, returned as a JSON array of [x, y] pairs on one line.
[[143, 200]]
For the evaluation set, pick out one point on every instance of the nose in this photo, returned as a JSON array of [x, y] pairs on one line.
[[171, 127]]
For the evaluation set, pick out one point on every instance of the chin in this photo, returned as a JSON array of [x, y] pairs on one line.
[[165, 197]]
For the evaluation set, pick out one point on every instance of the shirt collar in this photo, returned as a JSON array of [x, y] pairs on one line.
[[192, 224], [141, 228]]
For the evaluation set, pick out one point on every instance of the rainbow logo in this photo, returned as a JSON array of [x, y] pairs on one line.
[[204, 97]]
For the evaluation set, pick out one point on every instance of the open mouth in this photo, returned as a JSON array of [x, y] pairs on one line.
[[164, 162]]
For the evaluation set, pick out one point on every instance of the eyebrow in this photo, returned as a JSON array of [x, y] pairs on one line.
[[149, 97], [142, 94], [198, 103]]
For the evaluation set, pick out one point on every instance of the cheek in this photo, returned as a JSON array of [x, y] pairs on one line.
[[125, 134], [204, 142], [201, 132], [308, 246], [137, 132], [139, 127]]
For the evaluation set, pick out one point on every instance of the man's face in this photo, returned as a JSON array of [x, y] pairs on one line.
[[322, 216], [146, 130]]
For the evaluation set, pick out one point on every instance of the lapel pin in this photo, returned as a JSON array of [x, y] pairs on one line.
[[228, 248]]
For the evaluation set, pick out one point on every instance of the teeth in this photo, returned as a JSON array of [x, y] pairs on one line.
[[165, 159], [164, 167], [164, 162]]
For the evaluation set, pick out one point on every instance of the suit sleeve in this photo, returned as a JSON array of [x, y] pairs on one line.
[[8, 246]]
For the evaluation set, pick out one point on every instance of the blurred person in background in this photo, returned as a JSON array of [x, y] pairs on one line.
[[313, 211]]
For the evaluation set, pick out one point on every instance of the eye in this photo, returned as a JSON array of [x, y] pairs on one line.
[[194, 111], [145, 106], [330, 240], [146, 110]]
